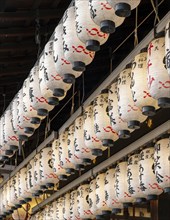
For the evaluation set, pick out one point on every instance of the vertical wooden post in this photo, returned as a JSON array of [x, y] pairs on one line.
[[154, 209]]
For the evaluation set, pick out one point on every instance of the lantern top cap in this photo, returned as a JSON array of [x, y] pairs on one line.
[[160, 34], [143, 50], [104, 91], [129, 65]]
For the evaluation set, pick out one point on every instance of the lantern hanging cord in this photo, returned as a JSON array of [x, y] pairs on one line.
[[72, 104], [155, 8], [137, 28]]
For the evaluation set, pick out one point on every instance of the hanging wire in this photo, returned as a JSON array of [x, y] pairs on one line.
[[48, 122], [23, 153], [83, 89], [73, 99], [136, 28], [38, 134], [37, 33], [155, 8]]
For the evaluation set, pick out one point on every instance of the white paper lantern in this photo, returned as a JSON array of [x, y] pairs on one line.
[[14, 195], [123, 7], [167, 46], [162, 163], [110, 194], [74, 215], [5, 209], [128, 111], [62, 65], [8, 195], [71, 149], [133, 178], [47, 176], [59, 208], [38, 102], [74, 49], [50, 211], [121, 185], [66, 206], [57, 165], [53, 79], [117, 123], [148, 182], [102, 127], [37, 183], [87, 31], [104, 15], [81, 151], [141, 95], [90, 139], [64, 154], [158, 78], [30, 176]]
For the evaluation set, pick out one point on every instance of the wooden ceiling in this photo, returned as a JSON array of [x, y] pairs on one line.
[[18, 51]]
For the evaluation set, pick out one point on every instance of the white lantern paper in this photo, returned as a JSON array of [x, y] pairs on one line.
[[81, 151], [83, 203], [59, 208], [74, 215], [93, 198], [117, 123], [14, 195], [10, 204], [102, 127], [62, 65], [121, 185], [20, 213], [128, 111], [37, 178], [110, 194], [50, 211], [162, 163], [123, 7], [71, 149], [90, 139], [167, 46], [66, 207], [5, 208], [57, 165], [141, 95], [30, 176], [87, 31], [133, 178], [53, 79], [104, 15], [38, 102], [47, 176], [148, 182], [74, 49], [158, 78], [64, 154]]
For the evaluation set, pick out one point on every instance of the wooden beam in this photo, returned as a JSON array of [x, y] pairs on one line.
[[2, 5]]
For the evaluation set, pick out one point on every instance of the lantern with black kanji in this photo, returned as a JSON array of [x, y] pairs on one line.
[[66, 206], [59, 208], [167, 46], [74, 214]]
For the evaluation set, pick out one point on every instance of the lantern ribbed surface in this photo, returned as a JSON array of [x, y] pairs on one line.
[[87, 31], [117, 123], [141, 95], [110, 194], [30, 176], [37, 181], [92, 197], [74, 215], [83, 203], [167, 46], [102, 127], [162, 163], [104, 15], [121, 184], [59, 208], [14, 190], [66, 209], [158, 78], [133, 178], [148, 182], [128, 111]]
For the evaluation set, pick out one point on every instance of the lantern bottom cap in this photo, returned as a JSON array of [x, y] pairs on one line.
[[127, 204], [53, 101], [58, 92], [106, 212], [39, 192], [70, 170], [167, 189], [123, 10], [80, 167], [107, 26], [28, 200], [140, 200], [3, 158], [9, 153], [86, 161], [148, 110], [35, 120], [49, 185], [152, 197], [164, 102], [69, 78], [43, 187], [21, 202], [133, 124], [124, 134], [100, 217], [62, 177], [79, 66], [18, 206], [23, 137], [107, 143], [97, 152], [93, 45], [116, 210], [42, 112], [13, 147], [29, 130]]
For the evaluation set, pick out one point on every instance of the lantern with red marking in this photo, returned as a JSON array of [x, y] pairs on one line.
[[81, 151], [158, 78], [117, 123], [62, 65], [167, 46], [121, 185], [74, 214], [133, 179], [104, 16], [66, 208], [128, 110], [102, 127], [161, 163], [141, 95], [123, 7], [91, 141], [87, 31], [110, 195], [74, 49], [148, 182], [83, 203]]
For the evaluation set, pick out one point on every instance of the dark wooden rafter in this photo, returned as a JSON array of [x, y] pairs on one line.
[[2, 5]]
